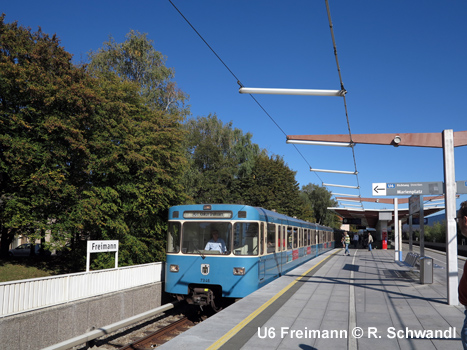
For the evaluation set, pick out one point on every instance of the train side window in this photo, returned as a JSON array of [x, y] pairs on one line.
[[261, 239], [281, 238], [284, 239], [289, 237], [173, 237], [246, 238], [271, 238], [295, 238]]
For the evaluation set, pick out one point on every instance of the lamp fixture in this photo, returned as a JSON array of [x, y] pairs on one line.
[[346, 186], [321, 143], [302, 92], [344, 194], [334, 171]]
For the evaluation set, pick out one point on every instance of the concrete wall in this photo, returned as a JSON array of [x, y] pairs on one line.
[[52, 325]]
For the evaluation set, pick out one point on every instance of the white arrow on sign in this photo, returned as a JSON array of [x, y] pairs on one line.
[[379, 189]]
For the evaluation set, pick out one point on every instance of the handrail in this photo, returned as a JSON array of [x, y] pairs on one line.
[[32, 294]]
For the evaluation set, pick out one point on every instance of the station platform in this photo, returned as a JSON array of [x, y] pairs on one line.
[[362, 301]]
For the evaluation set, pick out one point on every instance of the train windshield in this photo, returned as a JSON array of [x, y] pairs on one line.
[[211, 238], [206, 238]]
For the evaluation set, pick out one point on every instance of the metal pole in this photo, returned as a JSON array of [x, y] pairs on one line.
[[410, 234], [398, 247], [450, 205], [422, 228], [399, 224]]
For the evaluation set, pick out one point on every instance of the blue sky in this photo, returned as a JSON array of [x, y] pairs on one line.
[[403, 64]]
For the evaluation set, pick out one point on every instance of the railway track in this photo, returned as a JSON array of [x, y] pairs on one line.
[[160, 336]]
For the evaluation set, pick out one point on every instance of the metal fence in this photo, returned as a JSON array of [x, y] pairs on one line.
[[27, 295]]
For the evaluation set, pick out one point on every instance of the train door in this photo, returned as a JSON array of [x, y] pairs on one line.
[[317, 241], [273, 262], [284, 245], [262, 258], [321, 239]]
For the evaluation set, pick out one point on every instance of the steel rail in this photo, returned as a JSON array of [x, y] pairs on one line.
[[81, 339]]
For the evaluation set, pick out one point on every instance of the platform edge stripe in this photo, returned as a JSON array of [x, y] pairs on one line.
[[221, 341]]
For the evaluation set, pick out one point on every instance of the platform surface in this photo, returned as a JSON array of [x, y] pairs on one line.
[[362, 301]]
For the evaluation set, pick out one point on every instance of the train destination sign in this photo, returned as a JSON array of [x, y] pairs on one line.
[[407, 188], [216, 214]]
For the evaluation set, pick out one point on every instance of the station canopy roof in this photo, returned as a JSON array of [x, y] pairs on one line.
[[370, 217]]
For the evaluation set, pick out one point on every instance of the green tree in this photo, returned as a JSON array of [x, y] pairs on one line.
[[318, 198], [81, 156], [136, 60], [149, 178], [218, 156], [436, 233], [46, 108], [272, 185]]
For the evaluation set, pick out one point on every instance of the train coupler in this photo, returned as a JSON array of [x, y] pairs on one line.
[[204, 296]]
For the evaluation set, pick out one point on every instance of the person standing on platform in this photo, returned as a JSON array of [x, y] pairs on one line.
[[346, 242], [370, 240], [462, 290], [355, 240]]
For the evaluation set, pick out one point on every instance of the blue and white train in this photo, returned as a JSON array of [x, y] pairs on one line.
[[254, 246]]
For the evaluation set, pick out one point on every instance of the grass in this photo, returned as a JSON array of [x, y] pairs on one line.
[[12, 271], [26, 268]]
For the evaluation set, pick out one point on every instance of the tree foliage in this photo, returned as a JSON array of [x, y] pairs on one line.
[[218, 157], [47, 106], [101, 151], [273, 186], [136, 60], [318, 198], [226, 167], [436, 232], [83, 156]]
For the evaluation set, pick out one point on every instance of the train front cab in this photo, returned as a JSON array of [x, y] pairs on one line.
[[259, 248], [200, 275]]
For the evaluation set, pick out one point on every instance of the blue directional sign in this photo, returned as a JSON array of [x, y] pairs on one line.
[[408, 188], [414, 188]]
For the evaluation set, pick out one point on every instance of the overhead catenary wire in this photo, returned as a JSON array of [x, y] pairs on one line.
[[240, 83], [343, 89]]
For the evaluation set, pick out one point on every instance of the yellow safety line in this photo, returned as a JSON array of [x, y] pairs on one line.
[[255, 313]]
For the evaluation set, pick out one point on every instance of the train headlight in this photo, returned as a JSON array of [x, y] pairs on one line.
[[239, 271], [173, 268]]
